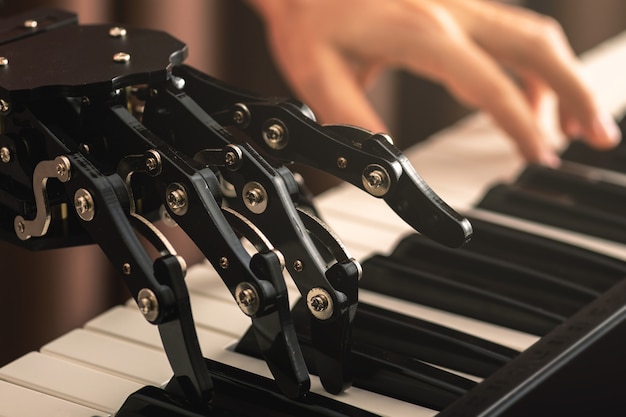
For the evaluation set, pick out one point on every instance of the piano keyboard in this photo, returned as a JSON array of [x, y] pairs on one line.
[[92, 370]]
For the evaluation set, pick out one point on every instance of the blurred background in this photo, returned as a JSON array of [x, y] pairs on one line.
[[46, 294]]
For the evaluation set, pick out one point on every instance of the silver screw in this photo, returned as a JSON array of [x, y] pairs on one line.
[[148, 304], [230, 158], [117, 32], [255, 197], [241, 115], [121, 57], [126, 269], [5, 154], [224, 263], [275, 134], [342, 162], [176, 198], [247, 298], [30, 24], [151, 164], [63, 169], [376, 180], [84, 204], [320, 303], [298, 265], [4, 61], [238, 117]]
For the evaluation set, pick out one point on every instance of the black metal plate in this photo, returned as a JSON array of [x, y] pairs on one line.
[[78, 61]]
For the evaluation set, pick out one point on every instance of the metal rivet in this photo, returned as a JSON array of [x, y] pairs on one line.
[[84, 205], [342, 162], [126, 269], [4, 61], [121, 57], [224, 263], [20, 227], [30, 24], [117, 32], [5, 154]]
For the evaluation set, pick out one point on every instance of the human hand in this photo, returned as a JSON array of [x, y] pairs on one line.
[[329, 50]]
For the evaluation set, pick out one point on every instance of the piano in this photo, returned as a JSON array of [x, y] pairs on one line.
[[92, 370]]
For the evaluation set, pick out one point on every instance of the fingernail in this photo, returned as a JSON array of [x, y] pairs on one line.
[[573, 129], [605, 127], [549, 159]]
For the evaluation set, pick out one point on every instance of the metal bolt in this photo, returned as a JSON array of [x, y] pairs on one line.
[[5, 154], [126, 269], [121, 57], [4, 106], [298, 265], [342, 162], [376, 180], [20, 227], [63, 169], [224, 263], [176, 198], [255, 197], [151, 164], [275, 134], [30, 24], [320, 303], [238, 117], [247, 298], [4, 61], [230, 158], [84, 204], [148, 304], [117, 32], [241, 115]]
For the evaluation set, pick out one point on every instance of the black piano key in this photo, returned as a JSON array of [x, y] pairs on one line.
[[568, 262], [575, 187], [516, 281], [388, 276], [526, 204], [429, 342], [577, 369]]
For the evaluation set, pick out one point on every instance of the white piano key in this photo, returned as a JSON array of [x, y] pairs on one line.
[[119, 357], [69, 381], [128, 324], [16, 401]]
